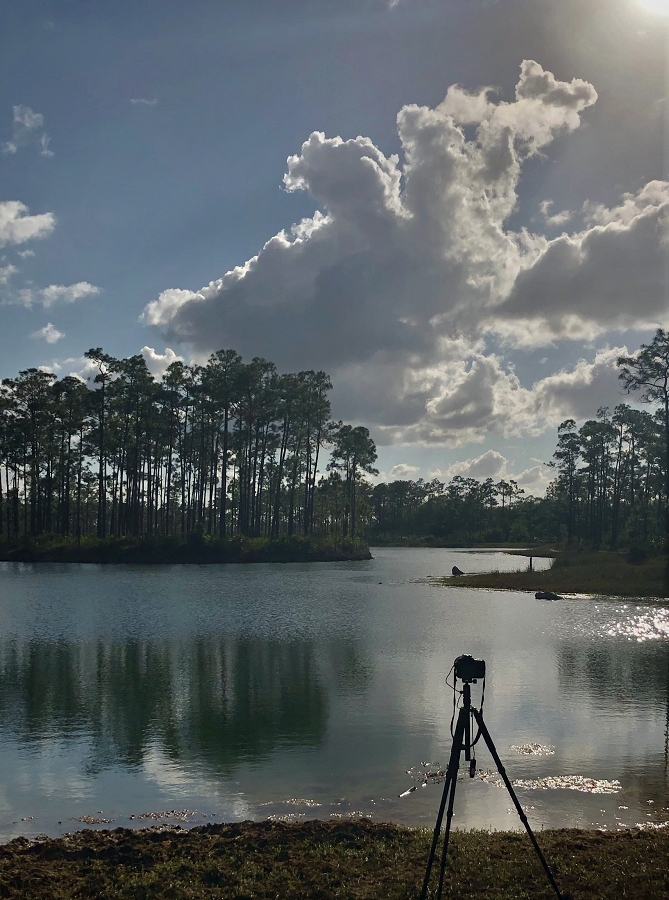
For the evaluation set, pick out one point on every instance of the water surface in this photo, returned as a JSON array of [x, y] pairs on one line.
[[232, 692]]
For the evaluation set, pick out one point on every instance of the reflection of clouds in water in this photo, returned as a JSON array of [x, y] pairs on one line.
[[50, 772], [648, 626], [170, 777], [316, 682]]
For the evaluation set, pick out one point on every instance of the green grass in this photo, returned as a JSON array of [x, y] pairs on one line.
[[323, 860], [581, 572]]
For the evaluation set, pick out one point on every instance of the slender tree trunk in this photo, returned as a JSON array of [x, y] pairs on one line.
[[224, 474]]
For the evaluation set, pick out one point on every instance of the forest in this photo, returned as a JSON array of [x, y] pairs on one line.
[[609, 490], [228, 448], [237, 449]]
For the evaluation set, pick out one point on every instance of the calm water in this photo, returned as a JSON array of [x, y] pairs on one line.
[[308, 690]]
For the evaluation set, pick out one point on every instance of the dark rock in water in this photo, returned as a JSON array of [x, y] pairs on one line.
[[456, 571], [546, 595]]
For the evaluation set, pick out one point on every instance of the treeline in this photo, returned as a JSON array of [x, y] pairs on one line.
[[228, 448], [609, 491], [611, 487], [236, 449], [461, 512]]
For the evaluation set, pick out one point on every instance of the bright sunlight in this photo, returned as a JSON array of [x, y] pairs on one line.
[[656, 6]]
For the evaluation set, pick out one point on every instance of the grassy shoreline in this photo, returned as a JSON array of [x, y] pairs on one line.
[[321, 860], [579, 572], [196, 549]]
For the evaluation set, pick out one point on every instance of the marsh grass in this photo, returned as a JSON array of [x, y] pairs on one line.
[[322, 860], [581, 572]]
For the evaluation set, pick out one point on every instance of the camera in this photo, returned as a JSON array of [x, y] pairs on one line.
[[469, 669]]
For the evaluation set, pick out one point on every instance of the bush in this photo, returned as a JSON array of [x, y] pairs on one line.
[[637, 554]]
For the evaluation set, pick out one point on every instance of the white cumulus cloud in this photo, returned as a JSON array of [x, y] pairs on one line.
[[66, 293], [534, 480], [49, 333], [157, 363], [397, 256], [610, 275], [403, 472], [554, 220], [490, 464], [6, 273], [27, 129], [408, 263], [17, 226]]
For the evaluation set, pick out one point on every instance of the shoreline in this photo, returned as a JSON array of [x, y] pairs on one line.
[[358, 859]]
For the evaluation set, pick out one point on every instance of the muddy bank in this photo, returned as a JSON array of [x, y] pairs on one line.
[[328, 860]]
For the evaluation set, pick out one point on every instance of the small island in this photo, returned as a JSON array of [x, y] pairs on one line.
[[196, 549], [214, 463], [600, 573]]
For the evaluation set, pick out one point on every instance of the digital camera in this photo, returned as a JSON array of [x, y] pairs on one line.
[[469, 669]]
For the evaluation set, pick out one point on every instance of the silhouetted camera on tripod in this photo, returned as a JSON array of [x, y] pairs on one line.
[[468, 669]]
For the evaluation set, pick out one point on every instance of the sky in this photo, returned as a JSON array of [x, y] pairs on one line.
[[459, 209]]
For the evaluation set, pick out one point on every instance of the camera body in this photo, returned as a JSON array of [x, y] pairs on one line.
[[468, 669]]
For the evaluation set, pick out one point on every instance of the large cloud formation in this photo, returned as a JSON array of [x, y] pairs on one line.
[[394, 281]]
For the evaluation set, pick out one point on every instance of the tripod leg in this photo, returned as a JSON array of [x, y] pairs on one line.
[[523, 818], [435, 836], [449, 817], [449, 788]]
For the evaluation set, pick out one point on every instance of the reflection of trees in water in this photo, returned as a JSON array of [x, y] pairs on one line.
[[352, 667], [623, 672], [212, 700], [616, 670]]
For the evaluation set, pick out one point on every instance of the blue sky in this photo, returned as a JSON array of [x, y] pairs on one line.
[[172, 192]]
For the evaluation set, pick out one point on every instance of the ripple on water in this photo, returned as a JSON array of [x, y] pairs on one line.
[[569, 783], [652, 625], [533, 749]]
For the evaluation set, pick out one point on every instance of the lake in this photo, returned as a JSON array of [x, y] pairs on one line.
[[318, 690]]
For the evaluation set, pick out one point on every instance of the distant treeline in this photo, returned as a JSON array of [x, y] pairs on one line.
[[229, 448], [234, 448], [610, 489]]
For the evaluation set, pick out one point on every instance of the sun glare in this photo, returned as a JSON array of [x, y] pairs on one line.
[[655, 6]]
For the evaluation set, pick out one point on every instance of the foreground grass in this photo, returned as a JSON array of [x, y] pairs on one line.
[[321, 860], [581, 573]]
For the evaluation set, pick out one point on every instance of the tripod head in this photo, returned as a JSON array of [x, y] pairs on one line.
[[468, 669]]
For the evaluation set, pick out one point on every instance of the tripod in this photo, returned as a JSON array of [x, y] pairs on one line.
[[462, 741]]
